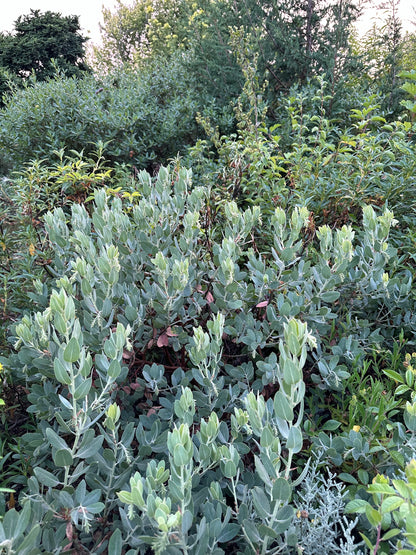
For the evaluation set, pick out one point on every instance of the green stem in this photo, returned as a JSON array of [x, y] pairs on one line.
[[288, 464], [270, 524], [183, 509], [111, 478], [249, 542], [73, 450], [235, 493]]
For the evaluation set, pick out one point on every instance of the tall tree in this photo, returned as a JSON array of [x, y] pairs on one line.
[[392, 39], [294, 39], [302, 38], [197, 29], [385, 53], [409, 51], [39, 38], [143, 30]]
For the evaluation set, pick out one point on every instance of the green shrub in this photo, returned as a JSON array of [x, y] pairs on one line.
[[308, 159], [143, 116], [391, 511], [25, 197], [166, 367]]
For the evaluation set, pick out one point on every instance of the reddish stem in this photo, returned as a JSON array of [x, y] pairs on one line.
[[378, 540]]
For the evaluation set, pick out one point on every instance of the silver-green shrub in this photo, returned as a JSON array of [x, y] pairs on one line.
[[165, 367]]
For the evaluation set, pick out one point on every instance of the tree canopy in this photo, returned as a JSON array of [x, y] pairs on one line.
[[37, 40], [293, 40]]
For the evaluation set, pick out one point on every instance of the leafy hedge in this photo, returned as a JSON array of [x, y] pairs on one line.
[[141, 116], [205, 364]]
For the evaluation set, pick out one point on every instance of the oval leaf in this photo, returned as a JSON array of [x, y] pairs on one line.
[[60, 372], [55, 440], [330, 296], [115, 544], [63, 457], [163, 340], [357, 506], [45, 478], [282, 407], [331, 425], [294, 440], [110, 349], [391, 503], [82, 390], [72, 350], [229, 469], [282, 490]]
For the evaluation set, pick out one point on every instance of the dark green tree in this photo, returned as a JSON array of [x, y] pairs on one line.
[[302, 38], [293, 40], [40, 43], [385, 52], [391, 38]]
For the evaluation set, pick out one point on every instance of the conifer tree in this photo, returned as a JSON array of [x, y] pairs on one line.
[[38, 39]]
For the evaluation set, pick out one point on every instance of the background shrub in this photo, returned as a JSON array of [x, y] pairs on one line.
[[143, 116]]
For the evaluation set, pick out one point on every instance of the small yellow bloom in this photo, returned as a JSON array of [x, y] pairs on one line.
[[298, 514], [3, 245], [356, 428], [31, 249], [1, 367]]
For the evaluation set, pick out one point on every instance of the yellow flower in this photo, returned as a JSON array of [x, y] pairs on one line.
[[1, 367], [356, 428], [3, 245], [31, 249]]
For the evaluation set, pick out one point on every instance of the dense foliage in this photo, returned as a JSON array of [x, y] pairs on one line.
[[142, 117], [40, 43], [208, 337], [295, 40]]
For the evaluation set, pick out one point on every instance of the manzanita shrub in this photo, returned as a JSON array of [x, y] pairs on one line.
[[170, 363]]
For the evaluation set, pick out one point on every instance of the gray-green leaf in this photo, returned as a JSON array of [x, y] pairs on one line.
[[72, 350]]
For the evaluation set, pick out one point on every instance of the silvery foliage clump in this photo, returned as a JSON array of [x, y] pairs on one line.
[[321, 524], [193, 456]]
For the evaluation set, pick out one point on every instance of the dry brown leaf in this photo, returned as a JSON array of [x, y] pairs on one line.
[[163, 340]]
